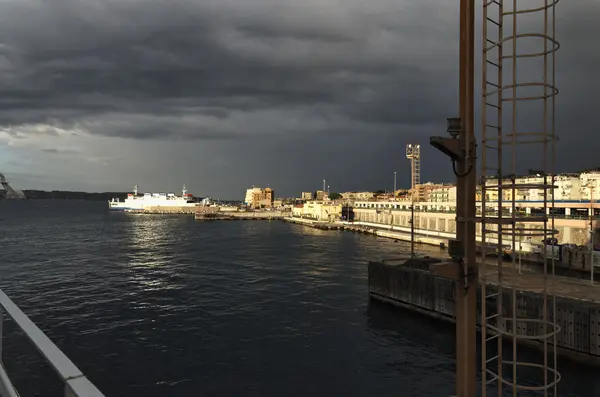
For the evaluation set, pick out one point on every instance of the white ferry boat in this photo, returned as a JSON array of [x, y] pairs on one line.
[[138, 202]]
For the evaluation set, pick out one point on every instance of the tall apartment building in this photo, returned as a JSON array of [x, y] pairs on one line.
[[257, 197], [442, 194], [568, 187], [320, 195], [423, 192], [268, 195], [589, 186], [307, 195]]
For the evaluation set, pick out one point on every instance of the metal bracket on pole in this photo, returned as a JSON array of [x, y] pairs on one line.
[[456, 269], [460, 148], [449, 146]]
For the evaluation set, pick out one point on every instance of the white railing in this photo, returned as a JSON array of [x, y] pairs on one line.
[[76, 384]]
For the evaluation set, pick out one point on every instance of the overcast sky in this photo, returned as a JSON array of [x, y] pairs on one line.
[[222, 94]]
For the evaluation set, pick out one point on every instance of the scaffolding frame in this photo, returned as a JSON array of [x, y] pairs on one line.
[[502, 138]]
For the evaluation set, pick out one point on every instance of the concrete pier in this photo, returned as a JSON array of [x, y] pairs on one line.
[[215, 214], [408, 283]]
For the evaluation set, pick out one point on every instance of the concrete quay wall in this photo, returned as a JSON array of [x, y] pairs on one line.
[[242, 215], [417, 289], [254, 215]]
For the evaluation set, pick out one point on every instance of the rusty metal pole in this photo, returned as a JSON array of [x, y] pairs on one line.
[[461, 149], [466, 287]]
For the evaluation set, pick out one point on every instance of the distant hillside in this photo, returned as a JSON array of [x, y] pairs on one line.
[[66, 195], [104, 196]]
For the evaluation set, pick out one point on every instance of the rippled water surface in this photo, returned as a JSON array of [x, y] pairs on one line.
[[167, 306]]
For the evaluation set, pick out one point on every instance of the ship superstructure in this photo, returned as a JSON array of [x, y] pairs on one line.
[[136, 201]]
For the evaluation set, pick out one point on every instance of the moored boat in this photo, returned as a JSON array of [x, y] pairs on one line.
[[136, 201]]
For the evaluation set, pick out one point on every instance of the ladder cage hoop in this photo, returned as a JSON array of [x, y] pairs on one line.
[[506, 95]]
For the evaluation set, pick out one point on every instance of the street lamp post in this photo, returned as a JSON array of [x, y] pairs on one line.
[[592, 229], [394, 185], [520, 251]]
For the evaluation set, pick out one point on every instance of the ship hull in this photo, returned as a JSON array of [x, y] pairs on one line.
[[127, 207], [122, 209], [120, 206]]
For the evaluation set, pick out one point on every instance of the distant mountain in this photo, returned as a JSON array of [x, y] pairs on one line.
[[104, 196], [67, 195]]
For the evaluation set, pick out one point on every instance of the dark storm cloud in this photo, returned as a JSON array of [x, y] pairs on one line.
[[361, 78], [128, 64]]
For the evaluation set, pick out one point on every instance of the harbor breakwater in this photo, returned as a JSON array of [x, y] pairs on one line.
[[409, 284]]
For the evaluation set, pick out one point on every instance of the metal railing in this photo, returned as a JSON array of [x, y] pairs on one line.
[[76, 384]]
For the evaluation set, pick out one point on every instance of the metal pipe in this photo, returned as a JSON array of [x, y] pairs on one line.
[[412, 227], [66, 370], [7, 389], [466, 293]]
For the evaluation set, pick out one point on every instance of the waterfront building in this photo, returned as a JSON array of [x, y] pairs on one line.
[[576, 209], [268, 195], [307, 196], [402, 194], [353, 196], [422, 192], [443, 194], [324, 211], [298, 210], [590, 185], [320, 195], [250, 194], [257, 197]]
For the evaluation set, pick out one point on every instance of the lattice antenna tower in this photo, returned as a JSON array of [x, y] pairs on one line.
[[413, 153], [506, 96]]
